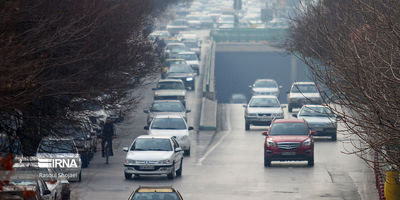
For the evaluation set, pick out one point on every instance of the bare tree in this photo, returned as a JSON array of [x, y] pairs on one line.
[[353, 47]]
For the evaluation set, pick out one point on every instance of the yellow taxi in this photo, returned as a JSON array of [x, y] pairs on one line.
[[155, 193]]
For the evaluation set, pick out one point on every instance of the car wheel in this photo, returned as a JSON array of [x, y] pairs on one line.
[[128, 176], [192, 87], [187, 152], [179, 172], [247, 126], [290, 108], [80, 177], [173, 172], [334, 137], [267, 161], [311, 161]]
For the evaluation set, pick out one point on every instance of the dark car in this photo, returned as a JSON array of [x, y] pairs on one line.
[[289, 140], [183, 72]]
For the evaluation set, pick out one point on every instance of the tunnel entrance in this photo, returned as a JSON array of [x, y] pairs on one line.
[[235, 71]]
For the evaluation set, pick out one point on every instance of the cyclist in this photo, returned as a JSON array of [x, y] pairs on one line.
[[107, 136]]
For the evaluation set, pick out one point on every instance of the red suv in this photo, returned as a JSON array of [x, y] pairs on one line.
[[289, 139]]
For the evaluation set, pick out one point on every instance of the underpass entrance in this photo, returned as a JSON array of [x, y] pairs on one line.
[[237, 67]]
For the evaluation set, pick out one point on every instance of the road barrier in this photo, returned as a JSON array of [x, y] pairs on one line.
[[270, 35], [208, 82]]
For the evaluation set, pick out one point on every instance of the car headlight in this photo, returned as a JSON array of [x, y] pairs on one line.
[[127, 161], [251, 114], [165, 162], [307, 142], [270, 142], [189, 79]]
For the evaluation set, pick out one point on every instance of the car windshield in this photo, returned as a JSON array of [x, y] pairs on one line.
[[264, 102], [171, 62], [188, 56], [170, 86], [289, 129], [151, 144], [168, 123], [179, 69], [155, 195], [20, 182], [316, 112], [57, 146], [265, 84], [304, 89], [167, 107]]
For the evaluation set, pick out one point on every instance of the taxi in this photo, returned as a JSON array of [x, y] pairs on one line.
[[151, 193]]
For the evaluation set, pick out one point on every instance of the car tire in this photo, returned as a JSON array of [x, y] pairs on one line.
[[267, 162], [290, 108], [247, 126], [187, 152], [179, 172], [80, 176], [173, 172], [128, 176], [311, 161], [192, 87], [334, 137]]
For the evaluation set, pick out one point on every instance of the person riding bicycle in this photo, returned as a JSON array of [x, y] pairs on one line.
[[107, 136]]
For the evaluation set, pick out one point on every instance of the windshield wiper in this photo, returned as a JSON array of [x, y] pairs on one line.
[[140, 149]]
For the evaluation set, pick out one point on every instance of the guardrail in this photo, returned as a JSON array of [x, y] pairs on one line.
[[271, 35], [208, 87]]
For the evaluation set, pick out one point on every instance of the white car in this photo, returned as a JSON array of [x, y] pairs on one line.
[[51, 149], [265, 87], [166, 107], [171, 125], [170, 89], [261, 110], [302, 93], [153, 155], [320, 119]]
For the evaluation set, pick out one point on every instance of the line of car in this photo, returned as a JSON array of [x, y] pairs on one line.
[[289, 139]]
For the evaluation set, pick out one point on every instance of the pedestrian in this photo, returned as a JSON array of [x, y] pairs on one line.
[[107, 136]]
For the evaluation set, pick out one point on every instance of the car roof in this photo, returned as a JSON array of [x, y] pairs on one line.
[[176, 43], [155, 136], [170, 80], [187, 52], [289, 121], [264, 79], [180, 65], [168, 116], [175, 59], [155, 189], [165, 101], [264, 96], [303, 83], [321, 106]]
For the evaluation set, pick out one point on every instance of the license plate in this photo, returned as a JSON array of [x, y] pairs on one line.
[[288, 153], [146, 167]]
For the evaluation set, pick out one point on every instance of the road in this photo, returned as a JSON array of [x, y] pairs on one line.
[[228, 164]]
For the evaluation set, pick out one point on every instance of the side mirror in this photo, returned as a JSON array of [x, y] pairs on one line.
[[46, 192], [283, 106], [153, 88], [191, 128], [146, 111], [250, 86], [313, 132], [244, 106], [126, 149], [146, 128], [178, 149], [294, 115], [188, 111], [265, 133]]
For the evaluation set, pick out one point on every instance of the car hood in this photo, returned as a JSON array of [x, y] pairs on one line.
[[265, 89], [319, 120], [57, 155], [179, 75], [153, 114], [170, 93], [168, 132], [304, 95], [288, 138], [149, 155], [264, 110]]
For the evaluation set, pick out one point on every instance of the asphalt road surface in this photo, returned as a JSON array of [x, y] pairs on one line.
[[228, 164]]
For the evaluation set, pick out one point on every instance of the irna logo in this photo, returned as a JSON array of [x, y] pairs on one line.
[[58, 163]]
